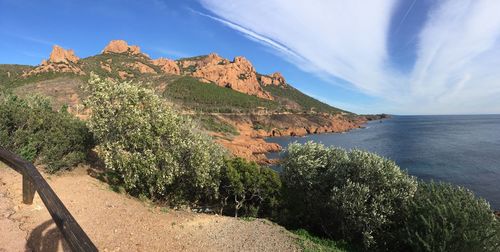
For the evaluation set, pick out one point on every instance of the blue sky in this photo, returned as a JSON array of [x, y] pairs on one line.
[[403, 57]]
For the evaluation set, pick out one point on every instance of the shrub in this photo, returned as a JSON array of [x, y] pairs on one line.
[[444, 217], [249, 187], [151, 150], [344, 195], [36, 132]]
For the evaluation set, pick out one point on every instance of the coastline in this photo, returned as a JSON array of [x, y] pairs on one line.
[[251, 144]]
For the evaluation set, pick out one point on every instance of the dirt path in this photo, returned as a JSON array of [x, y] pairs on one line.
[[117, 222]]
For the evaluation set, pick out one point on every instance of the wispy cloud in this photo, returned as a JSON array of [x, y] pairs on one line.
[[254, 36], [455, 71], [458, 57], [328, 35]]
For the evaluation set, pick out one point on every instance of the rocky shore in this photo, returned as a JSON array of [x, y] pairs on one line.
[[251, 144]]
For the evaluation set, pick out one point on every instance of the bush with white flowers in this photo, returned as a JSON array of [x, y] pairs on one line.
[[150, 149]]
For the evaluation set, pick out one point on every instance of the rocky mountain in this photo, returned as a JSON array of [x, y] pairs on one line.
[[60, 60], [230, 99]]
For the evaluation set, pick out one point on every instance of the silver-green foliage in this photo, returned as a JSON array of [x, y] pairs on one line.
[[153, 150], [444, 217], [345, 195]]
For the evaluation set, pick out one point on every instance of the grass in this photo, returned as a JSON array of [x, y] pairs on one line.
[[310, 243], [208, 97]]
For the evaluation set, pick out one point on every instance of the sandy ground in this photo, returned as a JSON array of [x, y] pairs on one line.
[[117, 222]]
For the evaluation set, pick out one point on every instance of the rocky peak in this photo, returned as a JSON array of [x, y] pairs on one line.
[[60, 55], [121, 46], [60, 61], [213, 59]]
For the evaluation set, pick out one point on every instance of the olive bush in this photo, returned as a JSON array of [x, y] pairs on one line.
[[352, 195], [249, 187], [32, 129], [153, 151], [444, 217]]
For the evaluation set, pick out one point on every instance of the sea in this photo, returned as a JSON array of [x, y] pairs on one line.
[[459, 149]]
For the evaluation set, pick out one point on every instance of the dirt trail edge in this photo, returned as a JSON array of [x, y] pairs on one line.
[[117, 222]]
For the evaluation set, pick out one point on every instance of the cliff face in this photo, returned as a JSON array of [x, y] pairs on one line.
[[238, 74]]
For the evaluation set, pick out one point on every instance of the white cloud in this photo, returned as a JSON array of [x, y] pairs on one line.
[[458, 57], [456, 70]]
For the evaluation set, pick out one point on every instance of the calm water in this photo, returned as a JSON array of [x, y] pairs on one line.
[[464, 150]]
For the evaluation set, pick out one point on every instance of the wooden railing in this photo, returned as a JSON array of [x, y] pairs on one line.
[[33, 182]]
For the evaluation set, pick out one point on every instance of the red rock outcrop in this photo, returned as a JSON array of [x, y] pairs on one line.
[[238, 74], [59, 55], [274, 79], [60, 60], [249, 145], [336, 124], [167, 65], [121, 46]]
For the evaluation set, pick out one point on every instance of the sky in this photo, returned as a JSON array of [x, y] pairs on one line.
[[377, 56]]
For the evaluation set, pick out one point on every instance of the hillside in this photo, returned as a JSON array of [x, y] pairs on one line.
[[230, 99]]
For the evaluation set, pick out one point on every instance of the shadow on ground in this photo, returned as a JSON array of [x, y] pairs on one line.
[[46, 238]]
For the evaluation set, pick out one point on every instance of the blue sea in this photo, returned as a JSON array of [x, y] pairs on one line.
[[460, 149]]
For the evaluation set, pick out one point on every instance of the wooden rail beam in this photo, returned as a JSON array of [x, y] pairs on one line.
[[33, 181]]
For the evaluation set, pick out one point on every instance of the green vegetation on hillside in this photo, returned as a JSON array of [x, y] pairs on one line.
[[118, 62], [33, 130], [213, 124], [288, 94], [9, 73], [208, 97], [11, 76]]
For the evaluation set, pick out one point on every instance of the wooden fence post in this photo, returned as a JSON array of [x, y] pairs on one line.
[[28, 190]]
